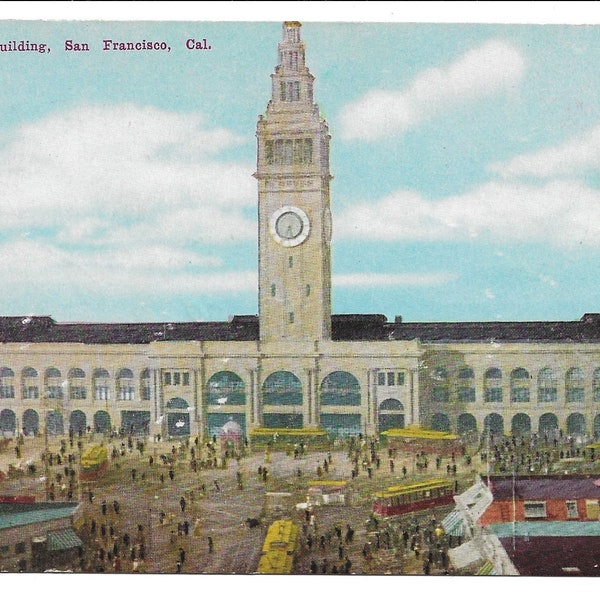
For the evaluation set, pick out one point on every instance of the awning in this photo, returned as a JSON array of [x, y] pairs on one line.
[[487, 569], [464, 555], [62, 540], [454, 524]]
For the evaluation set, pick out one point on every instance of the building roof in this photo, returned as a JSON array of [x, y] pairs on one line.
[[63, 539], [554, 556], [46, 329], [16, 514], [540, 487], [347, 327]]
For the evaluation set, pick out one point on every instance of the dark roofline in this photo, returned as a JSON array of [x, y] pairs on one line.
[[345, 327]]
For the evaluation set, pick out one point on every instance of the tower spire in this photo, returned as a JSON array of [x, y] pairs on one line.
[[292, 81]]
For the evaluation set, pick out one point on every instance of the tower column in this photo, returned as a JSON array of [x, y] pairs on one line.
[[293, 203], [255, 396]]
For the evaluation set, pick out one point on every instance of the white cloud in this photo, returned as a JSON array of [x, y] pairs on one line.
[[575, 156], [89, 166], [380, 280], [28, 264], [211, 224], [563, 212], [489, 294], [108, 200], [494, 67]]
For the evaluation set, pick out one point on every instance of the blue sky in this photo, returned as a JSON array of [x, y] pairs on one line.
[[466, 159]]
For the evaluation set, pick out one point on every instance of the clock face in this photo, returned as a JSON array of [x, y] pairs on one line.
[[289, 225]]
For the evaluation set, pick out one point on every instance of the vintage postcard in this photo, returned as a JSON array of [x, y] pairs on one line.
[[299, 297]]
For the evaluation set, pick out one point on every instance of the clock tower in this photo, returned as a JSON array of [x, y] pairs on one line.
[[294, 218]]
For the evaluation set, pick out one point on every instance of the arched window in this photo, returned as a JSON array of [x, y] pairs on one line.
[[466, 423], [596, 427], [54, 389], [574, 385], [519, 385], [391, 415], [340, 388], [466, 373], [29, 384], [54, 423], [494, 424], [101, 385], [521, 424], [391, 404], [77, 389], [548, 423], [77, 422], [125, 385], [177, 404], [8, 420], [492, 385], [145, 385], [31, 422], [576, 424], [102, 422], [7, 383], [440, 385], [547, 390], [440, 422], [226, 388], [282, 387], [466, 387], [596, 385]]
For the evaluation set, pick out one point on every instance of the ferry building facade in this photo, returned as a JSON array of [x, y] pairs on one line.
[[295, 365]]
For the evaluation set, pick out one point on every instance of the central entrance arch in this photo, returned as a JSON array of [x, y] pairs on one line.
[[178, 417], [391, 415]]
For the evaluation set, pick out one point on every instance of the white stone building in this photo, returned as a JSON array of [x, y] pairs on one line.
[[294, 365]]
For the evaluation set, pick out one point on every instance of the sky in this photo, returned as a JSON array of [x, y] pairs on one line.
[[465, 156]]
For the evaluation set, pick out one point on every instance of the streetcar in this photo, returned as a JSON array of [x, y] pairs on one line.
[[415, 439], [279, 548], [412, 497], [94, 461]]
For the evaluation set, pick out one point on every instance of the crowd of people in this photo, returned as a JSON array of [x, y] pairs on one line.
[[188, 475]]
